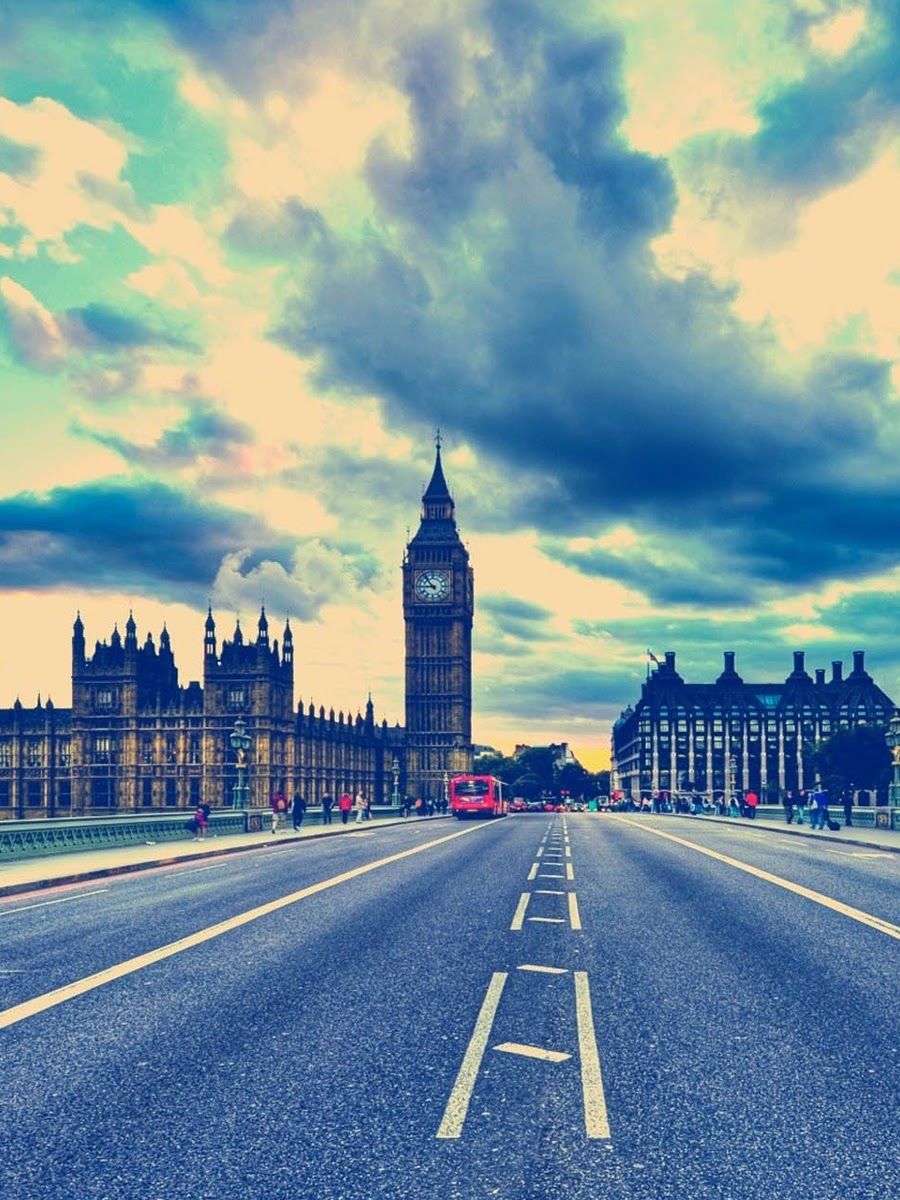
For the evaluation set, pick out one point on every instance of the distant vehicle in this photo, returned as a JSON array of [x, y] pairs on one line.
[[478, 796], [576, 806], [519, 805]]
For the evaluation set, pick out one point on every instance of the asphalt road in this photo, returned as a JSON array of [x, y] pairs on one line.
[[646, 1008]]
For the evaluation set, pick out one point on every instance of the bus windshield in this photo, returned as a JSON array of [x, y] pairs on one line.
[[471, 787]]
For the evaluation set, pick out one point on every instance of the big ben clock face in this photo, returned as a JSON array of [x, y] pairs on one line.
[[432, 585]]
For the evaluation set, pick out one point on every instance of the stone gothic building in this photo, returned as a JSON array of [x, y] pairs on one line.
[[730, 736], [135, 738]]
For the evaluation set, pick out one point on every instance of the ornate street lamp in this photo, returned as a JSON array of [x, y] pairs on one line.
[[240, 744], [446, 782], [892, 737], [395, 771]]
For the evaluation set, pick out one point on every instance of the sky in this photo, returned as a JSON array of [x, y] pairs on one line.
[[638, 261]]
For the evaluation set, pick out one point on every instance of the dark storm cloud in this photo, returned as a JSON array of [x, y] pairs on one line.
[[114, 534], [109, 329], [503, 606], [274, 233], [517, 305], [554, 694], [705, 583], [205, 432]]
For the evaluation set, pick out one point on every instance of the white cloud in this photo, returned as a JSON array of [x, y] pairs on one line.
[[34, 330], [74, 157]]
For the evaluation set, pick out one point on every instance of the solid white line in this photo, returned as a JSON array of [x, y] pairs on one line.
[[59, 995], [520, 910], [570, 874], [548, 920], [532, 1051], [543, 970], [547, 875], [43, 903], [211, 867], [596, 1117], [533, 871], [458, 1103], [574, 915], [855, 914], [548, 892]]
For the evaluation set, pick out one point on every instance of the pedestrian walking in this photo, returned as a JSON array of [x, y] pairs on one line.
[[751, 803], [327, 805], [298, 810], [787, 803], [818, 810], [200, 823], [419, 806], [847, 802], [345, 804], [733, 810], [360, 805], [279, 809], [802, 804]]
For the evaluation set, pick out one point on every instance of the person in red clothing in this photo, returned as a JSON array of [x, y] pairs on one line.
[[751, 800], [345, 804], [279, 808]]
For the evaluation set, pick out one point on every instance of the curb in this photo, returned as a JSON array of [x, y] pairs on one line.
[[736, 822], [33, 885]]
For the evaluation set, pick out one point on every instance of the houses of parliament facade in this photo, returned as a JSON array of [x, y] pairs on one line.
[[136, 739]]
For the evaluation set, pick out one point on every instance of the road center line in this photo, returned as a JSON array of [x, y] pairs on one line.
[[596, 1117], [43, 903], [846, 910], [30, 1008], [458, 1103], [519, 915], [570, 874], [534, 870], [574, 915]]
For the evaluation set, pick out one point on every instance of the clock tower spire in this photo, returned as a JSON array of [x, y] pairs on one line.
[[438, 608]]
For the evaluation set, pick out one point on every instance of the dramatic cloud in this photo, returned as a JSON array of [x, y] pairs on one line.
[[162, 540]]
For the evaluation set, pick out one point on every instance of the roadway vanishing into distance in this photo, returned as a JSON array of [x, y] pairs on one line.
[[573, 1006]]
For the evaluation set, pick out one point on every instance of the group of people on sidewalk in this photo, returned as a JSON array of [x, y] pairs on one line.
[[796, 804], [346, 804]]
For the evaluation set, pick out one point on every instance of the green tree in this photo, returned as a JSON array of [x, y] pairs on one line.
[[853, 758]]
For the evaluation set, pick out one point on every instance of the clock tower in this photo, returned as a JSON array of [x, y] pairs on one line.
[[438, 606]]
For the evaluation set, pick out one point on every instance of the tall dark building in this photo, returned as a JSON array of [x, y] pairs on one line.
[[438, 607], [731, 736]]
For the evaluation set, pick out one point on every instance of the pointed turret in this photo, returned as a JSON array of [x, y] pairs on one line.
[[287, 643], [238, 638], [209, 635], [437, 503], [262, 636], [130, 632], [116, 640], [78, 641]]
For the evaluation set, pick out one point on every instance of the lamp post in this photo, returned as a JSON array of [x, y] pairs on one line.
[[240, 744], [395, 772], [732, 776], [446, 782], [892, 737]]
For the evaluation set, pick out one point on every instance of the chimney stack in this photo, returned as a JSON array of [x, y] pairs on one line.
[[837, 671]]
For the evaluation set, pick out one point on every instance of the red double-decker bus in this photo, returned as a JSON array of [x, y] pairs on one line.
[[478, 796]]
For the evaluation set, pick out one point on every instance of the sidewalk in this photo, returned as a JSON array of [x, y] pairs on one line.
[[26, 875], [887, 840]]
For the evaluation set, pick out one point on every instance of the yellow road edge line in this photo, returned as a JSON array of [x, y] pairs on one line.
[[30, 1008], [856, 914], [532, 1051], [454, 1118], [570, 874], [534, 870], [596, 1117], [574, 914]]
